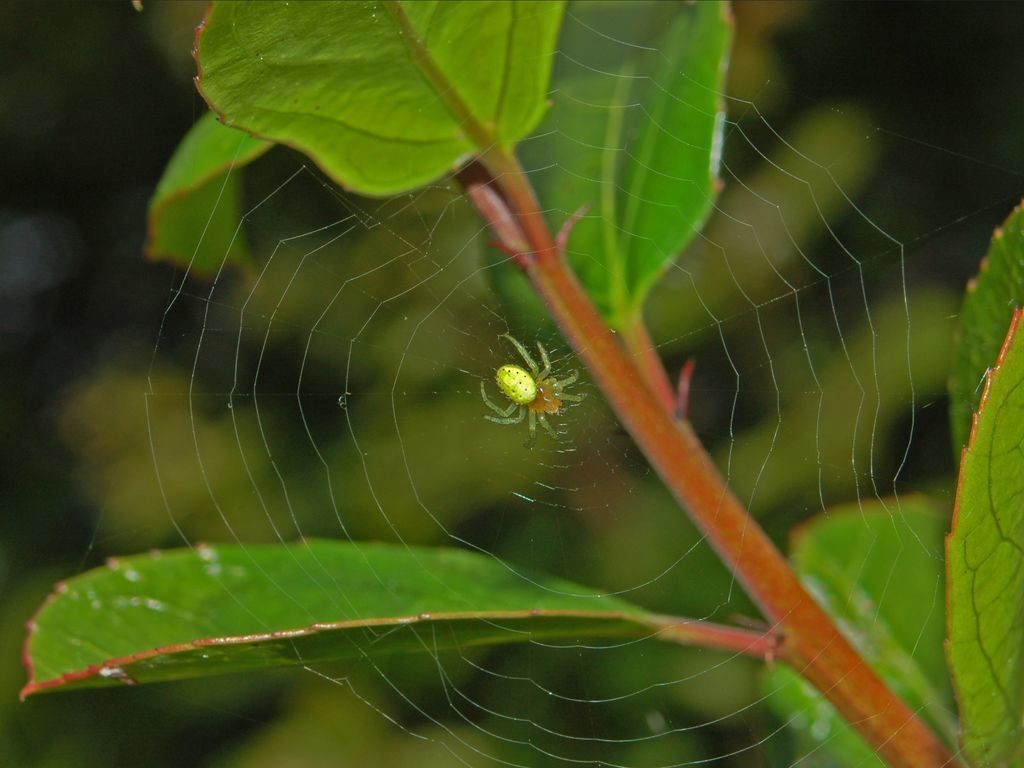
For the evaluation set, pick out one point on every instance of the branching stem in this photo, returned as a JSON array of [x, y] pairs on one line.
[[810, 640], [765, 645], [638, 342]]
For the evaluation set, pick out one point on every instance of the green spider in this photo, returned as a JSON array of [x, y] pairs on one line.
[[535, 391]]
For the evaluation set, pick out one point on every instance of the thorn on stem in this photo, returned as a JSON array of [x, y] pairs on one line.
[[562, 238], [683, 389]]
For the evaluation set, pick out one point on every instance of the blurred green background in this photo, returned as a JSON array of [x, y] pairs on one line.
[[911, 109]]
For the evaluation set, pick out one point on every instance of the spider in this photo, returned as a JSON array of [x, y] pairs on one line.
[[535, 392]]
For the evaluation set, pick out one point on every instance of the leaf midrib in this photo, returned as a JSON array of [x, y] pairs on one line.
[[482, 136]]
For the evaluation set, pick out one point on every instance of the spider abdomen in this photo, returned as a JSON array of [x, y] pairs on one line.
[[533, 392], [516, 384]]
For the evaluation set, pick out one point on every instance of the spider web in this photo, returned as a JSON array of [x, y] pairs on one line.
[[333, 391]]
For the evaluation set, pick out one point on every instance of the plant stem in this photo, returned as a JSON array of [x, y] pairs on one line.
[[761, 645], [811, 642], [638, 342]]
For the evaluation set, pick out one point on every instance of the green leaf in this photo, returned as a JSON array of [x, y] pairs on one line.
[[195, 212], [640, 145], [213, 610], [384, 96], [877, 569], [985, 561], [991, 298], [823, 738]]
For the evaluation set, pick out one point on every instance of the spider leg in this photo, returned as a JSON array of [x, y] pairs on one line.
[[569, 380], [547, 427], [533, 431], [570, 398], [510, 419], [507, 413], [525, 355], [503, 412], [546, 370]]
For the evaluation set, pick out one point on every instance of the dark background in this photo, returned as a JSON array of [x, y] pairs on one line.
[[93, 99]]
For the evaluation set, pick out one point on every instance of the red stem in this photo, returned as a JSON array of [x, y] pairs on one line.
[[683, 390], [638, 342], [762, 645], [811, 642]]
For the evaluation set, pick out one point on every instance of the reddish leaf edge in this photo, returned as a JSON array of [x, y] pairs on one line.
[[970, 288], [331, 173], [113, 667], [157, 208], [1016, 323], [222, 117], [763, 643]]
